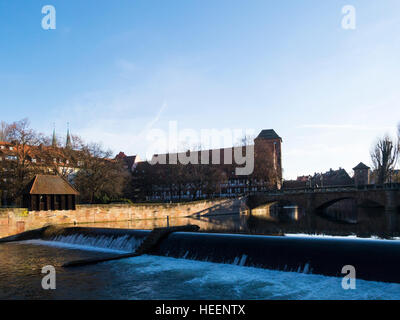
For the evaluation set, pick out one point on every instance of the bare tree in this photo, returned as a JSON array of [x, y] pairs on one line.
[[398, 138], [4, 131], [396, 177], [245, 140], [384, 156], [60, 160], [398, 130], [99, 178], [17, 167]]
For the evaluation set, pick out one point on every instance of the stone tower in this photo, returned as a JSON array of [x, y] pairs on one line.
[[361, 174], [267, 150]]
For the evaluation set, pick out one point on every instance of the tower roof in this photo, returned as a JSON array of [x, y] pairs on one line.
[[68, 142], [268, 134], [361, 166], [54, 140]]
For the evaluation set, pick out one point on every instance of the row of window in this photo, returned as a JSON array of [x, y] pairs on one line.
[[34, 160], [3, 147], [9, 158], [229, 191]]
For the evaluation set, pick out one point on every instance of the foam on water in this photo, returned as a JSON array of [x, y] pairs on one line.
[[121, 243], [73, 246], [254, 283], [156, 277], [323, 236]]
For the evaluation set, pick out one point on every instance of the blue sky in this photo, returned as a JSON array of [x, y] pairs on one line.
[[114, 69]]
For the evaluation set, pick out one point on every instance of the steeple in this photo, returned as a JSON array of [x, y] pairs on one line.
[[68, 144], [54, 141]]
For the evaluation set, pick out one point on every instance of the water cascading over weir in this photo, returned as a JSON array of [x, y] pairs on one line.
[[374, 260]]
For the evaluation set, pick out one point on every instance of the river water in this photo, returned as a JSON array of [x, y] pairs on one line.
[[155, 277]]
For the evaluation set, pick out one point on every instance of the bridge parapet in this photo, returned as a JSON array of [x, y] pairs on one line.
[[387, 195], [350, 188]]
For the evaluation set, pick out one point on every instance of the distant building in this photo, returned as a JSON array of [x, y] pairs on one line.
[[163, 182], [35, 159], [361, 174], [328, 179], [338, 177], [303, 178], [130, 162], [38, 156], [300, 182]]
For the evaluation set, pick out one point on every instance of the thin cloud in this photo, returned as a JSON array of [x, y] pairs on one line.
[[344, 126], [151, 123]]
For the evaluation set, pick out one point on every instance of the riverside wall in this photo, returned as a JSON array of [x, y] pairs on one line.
[[16, 220]]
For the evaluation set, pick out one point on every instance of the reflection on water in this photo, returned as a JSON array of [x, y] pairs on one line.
[[342, 218], [342, 211], [351, 220]]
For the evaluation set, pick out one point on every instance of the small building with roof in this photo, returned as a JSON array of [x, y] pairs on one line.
[[49, 192]]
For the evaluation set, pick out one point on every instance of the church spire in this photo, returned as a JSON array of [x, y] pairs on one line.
[[54, 141], [68, 143]]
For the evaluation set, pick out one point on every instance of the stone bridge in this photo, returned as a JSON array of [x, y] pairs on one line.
[[313, 199]]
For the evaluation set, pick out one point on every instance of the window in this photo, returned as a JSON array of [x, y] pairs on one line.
[[11, 148], [2, 147], [33, 160], [11, 157]]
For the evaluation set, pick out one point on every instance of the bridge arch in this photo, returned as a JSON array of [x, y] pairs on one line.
[[370, 203], [279, 200], [328, 203], [358, 201], [317, 199]]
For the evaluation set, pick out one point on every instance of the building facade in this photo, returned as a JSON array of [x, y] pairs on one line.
[[20, 162], [196, 180]]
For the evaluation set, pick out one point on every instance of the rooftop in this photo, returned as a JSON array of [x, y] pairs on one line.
[[50, 184], [268, 134], [361, 166]]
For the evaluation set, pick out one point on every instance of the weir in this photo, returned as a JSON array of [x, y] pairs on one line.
[[374, 260]]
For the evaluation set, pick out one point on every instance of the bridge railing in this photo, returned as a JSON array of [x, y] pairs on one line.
[[344, 188]]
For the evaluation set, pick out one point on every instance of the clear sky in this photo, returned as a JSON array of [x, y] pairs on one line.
[[115, 69]]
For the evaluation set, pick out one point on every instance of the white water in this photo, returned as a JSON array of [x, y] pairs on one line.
[[155, 277], [72, 246], [254, 283], [122, 243], [323, 236]]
